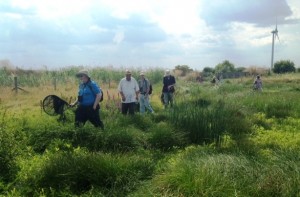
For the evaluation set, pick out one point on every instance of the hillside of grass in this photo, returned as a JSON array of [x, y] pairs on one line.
[[224, 140]]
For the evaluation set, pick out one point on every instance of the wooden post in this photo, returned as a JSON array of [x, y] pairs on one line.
[[16, 83]]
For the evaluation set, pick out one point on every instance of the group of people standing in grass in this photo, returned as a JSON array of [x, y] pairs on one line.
[[132, 91]]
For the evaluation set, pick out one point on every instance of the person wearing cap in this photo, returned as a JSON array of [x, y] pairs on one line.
[[129, 89], [89, 95], [144, 86], [168, 88]]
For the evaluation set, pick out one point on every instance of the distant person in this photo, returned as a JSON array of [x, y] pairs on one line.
[[129, 90], [144, 86], [214, 80], [257, 85], [89, 95], [168, 88], [199, 79]]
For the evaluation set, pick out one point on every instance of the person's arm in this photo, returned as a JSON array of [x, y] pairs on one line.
[[147, 87], [97, 100], [137, 90], [121, 91]]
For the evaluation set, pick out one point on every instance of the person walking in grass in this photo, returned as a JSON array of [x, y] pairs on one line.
[[89, 95], [168, 88], [257, 85], [144, 86], [129, 90]]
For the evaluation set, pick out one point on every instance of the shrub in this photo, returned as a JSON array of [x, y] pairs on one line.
[[208, 124], [284, 66], [164, 137], [80, 172], [199, 171], [11, 146]]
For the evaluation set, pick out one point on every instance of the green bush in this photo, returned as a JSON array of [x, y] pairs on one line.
[[80, 171], [284, 66], [11, 146], [200, 171], [164, 137], [209, 123]]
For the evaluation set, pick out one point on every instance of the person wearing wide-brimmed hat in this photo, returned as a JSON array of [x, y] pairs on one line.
[[144, 85], [89, 95], [168, 88], [129, 89]]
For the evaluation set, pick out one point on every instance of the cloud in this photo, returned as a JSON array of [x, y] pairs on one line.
[[261, 13]]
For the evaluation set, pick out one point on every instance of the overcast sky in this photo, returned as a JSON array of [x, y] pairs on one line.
[[147, 33]]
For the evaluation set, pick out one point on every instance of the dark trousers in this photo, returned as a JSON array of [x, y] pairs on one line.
[[128, 107], [87, 113]]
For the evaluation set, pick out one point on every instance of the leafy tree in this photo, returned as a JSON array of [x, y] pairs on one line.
[[284, 66], [207, 71], [225, 67], [184, 68], [240, 69]]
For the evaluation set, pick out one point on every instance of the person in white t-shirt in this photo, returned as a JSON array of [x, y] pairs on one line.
[[129, 90]]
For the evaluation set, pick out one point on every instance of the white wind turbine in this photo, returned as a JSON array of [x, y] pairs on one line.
[[274, 35]]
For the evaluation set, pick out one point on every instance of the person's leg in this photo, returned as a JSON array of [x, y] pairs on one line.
[[166, 99], [80, 116], [142, 103], [124, 108], [147, 105], [94, 118], [131, 108], [171, 98]]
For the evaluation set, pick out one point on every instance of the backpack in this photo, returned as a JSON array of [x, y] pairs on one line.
[[101, 99], [150, 89]]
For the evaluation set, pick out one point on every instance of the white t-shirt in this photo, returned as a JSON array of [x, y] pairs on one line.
[[129, 89]]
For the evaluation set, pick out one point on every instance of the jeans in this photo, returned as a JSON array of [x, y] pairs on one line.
[[144, 104], [168, 98]]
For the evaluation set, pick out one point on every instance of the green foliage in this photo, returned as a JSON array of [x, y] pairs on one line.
[[200, 171], [32, 78], [164, 137], [284, 66], [207, 71], [79, 171], [206, 124], [185, 69], [252, 143], [225, 67], [11, 146]]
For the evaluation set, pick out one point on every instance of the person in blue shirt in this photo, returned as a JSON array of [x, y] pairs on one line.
[[89, 95]]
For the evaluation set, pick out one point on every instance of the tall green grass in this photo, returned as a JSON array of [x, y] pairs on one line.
[[37, 78], [199, 171], [206, 121], [79, 171]]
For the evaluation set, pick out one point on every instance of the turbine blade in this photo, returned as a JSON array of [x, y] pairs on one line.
[[277, 37]]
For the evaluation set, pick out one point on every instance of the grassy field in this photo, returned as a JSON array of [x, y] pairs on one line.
[[224, 140]]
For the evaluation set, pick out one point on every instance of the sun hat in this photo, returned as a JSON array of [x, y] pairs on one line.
[[83, 72], [142, 73], [128, 72]]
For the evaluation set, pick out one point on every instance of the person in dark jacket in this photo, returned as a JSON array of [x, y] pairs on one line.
[[168, 88], [89, 95]]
